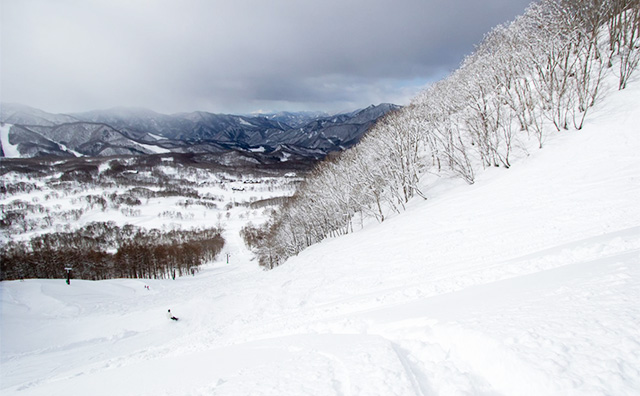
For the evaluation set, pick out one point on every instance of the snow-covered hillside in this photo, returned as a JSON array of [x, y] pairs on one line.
[[525, 283], [8, 150], [209, 197]]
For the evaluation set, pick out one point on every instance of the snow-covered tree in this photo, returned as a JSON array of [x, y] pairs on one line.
[[547, 66]]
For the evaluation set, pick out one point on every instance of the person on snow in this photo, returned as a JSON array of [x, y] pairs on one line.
[[170, 315]]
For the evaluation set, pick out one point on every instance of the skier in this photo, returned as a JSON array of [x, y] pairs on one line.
[[170, 315]]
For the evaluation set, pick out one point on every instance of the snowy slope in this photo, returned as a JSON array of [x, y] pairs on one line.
[[526, 283], [9, 150]]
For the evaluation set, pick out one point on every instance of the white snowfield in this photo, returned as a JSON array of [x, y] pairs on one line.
[[9, 150], [525, 283]]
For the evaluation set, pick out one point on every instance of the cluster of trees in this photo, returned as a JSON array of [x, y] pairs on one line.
[[542, 72], [17, 188], [22, 216], [104, 250]]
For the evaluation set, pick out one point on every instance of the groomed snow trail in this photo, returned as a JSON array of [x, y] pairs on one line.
[[526, 283]]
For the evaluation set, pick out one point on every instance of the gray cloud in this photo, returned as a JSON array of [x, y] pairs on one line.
[[240, 56]]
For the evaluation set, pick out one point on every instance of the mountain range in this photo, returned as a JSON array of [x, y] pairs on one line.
[[31, 132]]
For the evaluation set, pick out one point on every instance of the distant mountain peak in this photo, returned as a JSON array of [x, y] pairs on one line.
[[136, 131]]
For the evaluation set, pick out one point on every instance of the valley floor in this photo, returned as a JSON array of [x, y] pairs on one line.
[[526, 283]]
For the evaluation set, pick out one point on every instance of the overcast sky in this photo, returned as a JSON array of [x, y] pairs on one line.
[[235, 56]]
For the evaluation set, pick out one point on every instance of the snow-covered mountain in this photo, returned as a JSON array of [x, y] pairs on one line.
[[524, 283], [11, 113], [126, 131], [295, 119]]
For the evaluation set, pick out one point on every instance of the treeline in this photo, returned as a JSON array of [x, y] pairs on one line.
[[103, 250], [539, 74]]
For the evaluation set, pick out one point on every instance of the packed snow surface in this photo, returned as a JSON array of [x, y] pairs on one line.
[[525, 283]]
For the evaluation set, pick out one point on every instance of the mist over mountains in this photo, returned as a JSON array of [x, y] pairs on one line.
[[30, 132]]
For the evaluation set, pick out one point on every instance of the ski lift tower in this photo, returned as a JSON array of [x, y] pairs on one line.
[[68, 269]]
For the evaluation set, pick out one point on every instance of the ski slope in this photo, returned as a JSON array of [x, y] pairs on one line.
[[525, 283], [9, 150]]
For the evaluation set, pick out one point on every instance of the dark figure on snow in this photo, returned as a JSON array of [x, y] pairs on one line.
[[170, 315]]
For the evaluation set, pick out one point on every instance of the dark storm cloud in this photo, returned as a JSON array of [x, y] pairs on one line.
[[239, 56]]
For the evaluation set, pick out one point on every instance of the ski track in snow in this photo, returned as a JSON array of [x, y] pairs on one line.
[[526, 283]]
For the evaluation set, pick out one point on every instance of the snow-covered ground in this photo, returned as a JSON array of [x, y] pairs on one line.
[[10, 150], [228, 198], [526, 283]]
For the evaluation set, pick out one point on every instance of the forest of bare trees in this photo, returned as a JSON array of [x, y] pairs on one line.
[[103, 250], [539, 74], [38, 238]]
